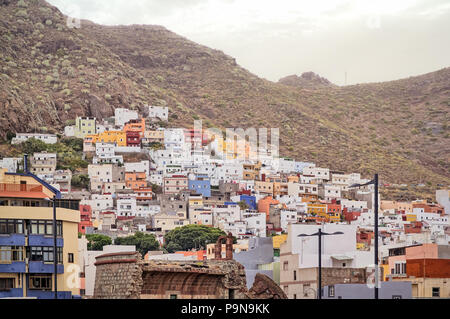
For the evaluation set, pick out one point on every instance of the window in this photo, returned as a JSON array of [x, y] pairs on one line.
[[44, 254], [41, 282], [436, 292], [295, 275], [11, 226], [45, 227], [6, 283], [330, 291], [173, 296], [9, 254], [285, 265], [70, 258]]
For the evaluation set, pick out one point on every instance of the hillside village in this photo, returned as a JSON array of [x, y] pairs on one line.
[[143, 177]]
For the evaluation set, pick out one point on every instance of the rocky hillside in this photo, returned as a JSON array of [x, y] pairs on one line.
[[50, 74], [308, 80]]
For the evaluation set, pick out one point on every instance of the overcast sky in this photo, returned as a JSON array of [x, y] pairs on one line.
[[371, 40]]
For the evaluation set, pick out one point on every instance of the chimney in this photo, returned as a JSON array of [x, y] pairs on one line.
[[25, 163]]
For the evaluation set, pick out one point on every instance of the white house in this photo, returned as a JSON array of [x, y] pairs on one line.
[[126, 205], [158, 112], [318, 172], [256, 223], [337, 250], [23, 137], [10, 163], [123, 116]]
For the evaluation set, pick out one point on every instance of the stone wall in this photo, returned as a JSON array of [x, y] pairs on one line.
[[332, 276], [126, 276], [118, 276]]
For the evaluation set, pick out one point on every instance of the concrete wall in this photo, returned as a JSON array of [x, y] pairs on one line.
[[361, 291], [260, 251]]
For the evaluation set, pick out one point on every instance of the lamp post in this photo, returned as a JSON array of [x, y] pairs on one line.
[[320, 234], [375, 205]]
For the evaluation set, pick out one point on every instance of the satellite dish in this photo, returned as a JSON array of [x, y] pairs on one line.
[[191, 176]]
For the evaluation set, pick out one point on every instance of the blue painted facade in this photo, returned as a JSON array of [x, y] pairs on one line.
[[39, 267], [12, 240], [201, 186], [15, 267], [41, 240], [11, 293], [44, 294], [230, 203], [250, 200]]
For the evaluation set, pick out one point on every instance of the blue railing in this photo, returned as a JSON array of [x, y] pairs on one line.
[[42, 294], [11, 293], [41, 240], [39, 267], [14, 267], [12, 240]]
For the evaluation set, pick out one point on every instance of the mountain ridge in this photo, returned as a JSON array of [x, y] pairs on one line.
[[51, 73]]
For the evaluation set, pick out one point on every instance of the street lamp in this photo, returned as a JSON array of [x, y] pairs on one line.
[[55, 253], [375, 183], [320, 234]]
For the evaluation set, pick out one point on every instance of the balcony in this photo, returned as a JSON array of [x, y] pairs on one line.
[[20, 188], [40, 267], [14, 267], [11, 293], [41, 240], [43, 294], [12, 240]]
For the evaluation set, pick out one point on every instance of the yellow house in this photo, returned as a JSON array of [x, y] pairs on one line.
[[317, 209], [26, 239], [278, 240], [85, 126], [195, 201], [118, 137]]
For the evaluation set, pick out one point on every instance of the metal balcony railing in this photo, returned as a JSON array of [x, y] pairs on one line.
[[20, 188]]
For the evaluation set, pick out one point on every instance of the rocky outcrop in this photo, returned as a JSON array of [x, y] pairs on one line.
[[308, 80], [265, 288]]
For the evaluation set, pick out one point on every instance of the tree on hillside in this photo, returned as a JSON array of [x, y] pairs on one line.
[[74, 143], [97, 241], [191, 236], [243, 205], [143, 242], [80, 181], [32, 146]]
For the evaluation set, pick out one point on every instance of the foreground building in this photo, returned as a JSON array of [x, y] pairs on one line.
[[26, 239]]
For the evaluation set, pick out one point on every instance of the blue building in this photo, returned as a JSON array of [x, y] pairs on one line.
[[27, 254], [250, 200], [201, 185]]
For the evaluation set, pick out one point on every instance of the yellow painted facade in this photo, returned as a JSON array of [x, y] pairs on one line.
[[317, 209], [84, 126], [278, 240], [118, 137]]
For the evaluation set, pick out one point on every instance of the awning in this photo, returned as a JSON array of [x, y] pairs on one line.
[[341, 257]]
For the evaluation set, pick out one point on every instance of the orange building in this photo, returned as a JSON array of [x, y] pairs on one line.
[[144, 194], [201, 254], [135, 180], [135, 126], [264, 205], [334, 211]]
